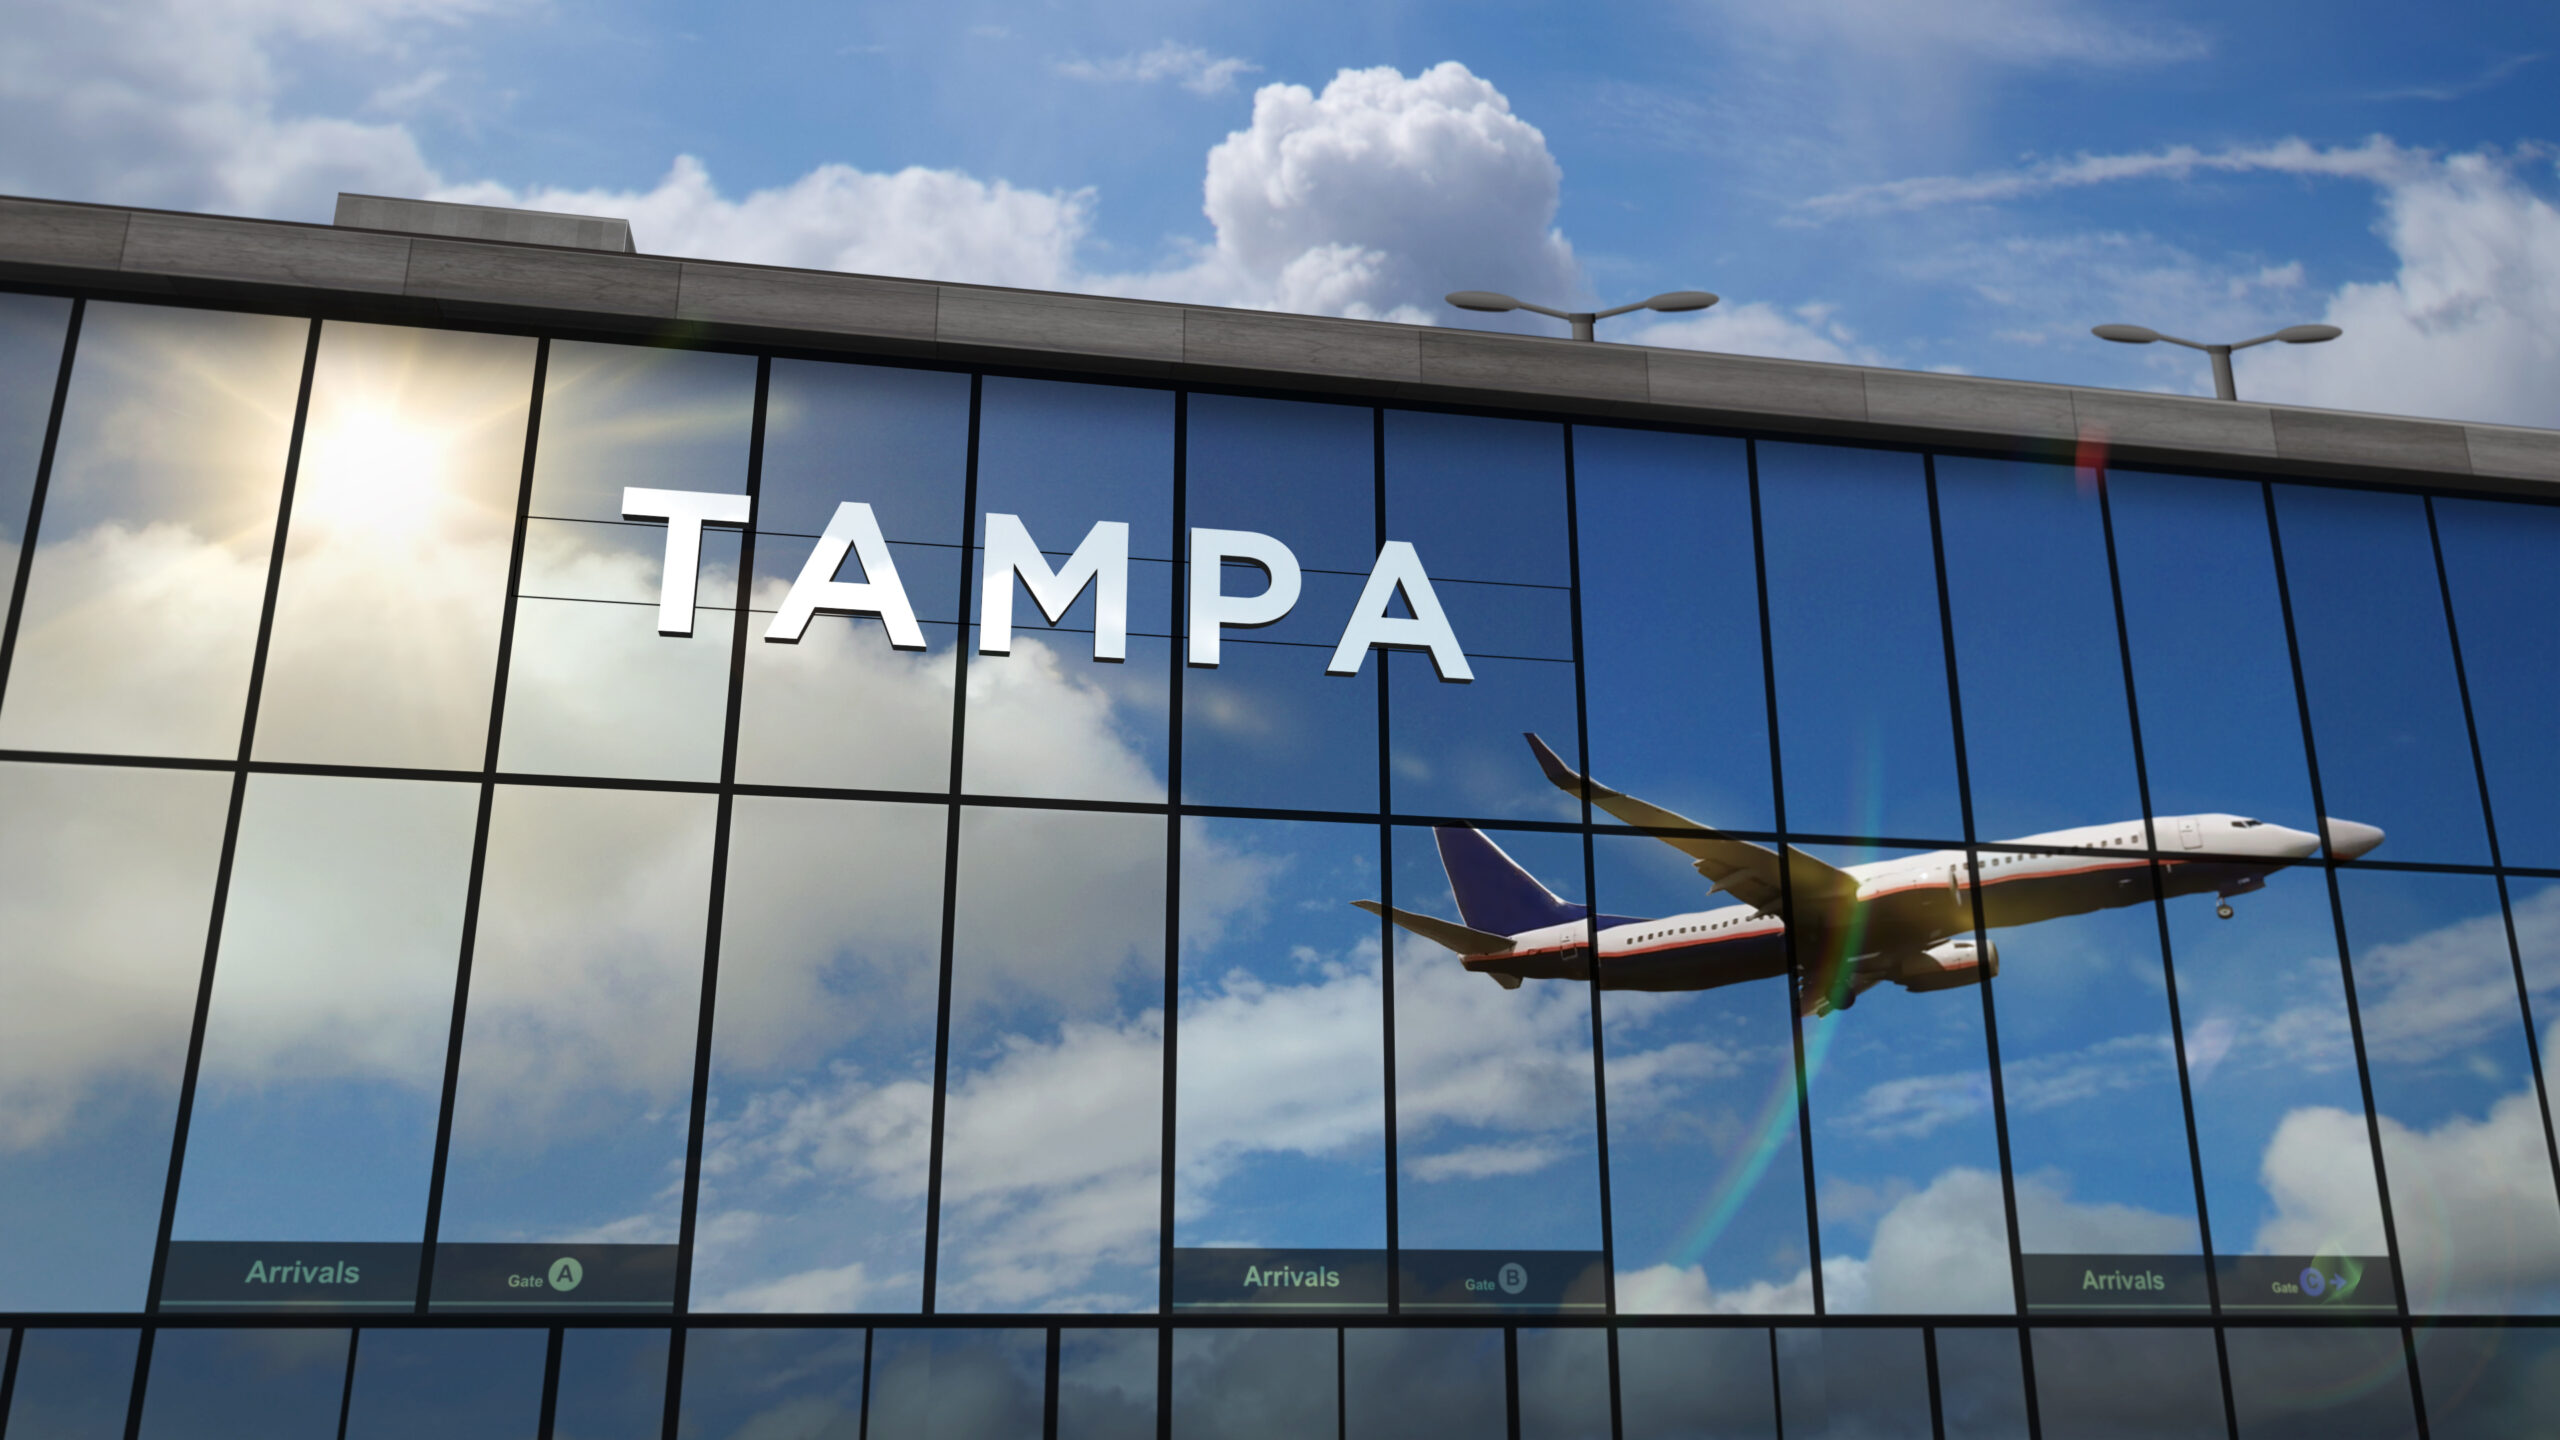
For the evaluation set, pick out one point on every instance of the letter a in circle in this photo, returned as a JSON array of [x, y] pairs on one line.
[[566, 1272]]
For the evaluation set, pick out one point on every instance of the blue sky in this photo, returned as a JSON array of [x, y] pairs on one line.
[[1964, 185]]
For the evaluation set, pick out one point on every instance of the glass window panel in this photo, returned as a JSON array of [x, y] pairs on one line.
[[2498, 558], [592, 687], [1853, 624], [1706, 1165], [773, 1385], [106, 888], [817, 1138], [2097, 1129], [1687, 1384], [1906, 1162], [2048, 741], [141, 611], [1981, 1385], [1049, 719], [395, 570], [1106, 1385], [1051, 1161], [2152, 1384], [2488, 1383], [1280, 1090], [959, 1384], [1255, 1384], [72, 1385], [2221, 730], [575, 1094], [841, 706], [1496, 1144], [2288, 1169], [1417, 1382], [2386, 711], [1267, 726], [1853, 1385], [245, 1385], [1483, 504], [1564, 1385], [332, 1006], [429, 1384], [1671, 622], [2328, 1384], [2470, 1166], [613, 1385], [31, 328]]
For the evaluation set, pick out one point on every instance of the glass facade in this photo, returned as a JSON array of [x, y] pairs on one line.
[[1078, 908]]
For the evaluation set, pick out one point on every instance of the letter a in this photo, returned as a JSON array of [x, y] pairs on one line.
[[877, 593], [1102, 562], [1398, 568], [686, 512]]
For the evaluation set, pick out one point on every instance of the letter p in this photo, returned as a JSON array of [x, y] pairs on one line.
[[1212, 608]]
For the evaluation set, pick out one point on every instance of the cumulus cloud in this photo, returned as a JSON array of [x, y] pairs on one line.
[[1189, 66]]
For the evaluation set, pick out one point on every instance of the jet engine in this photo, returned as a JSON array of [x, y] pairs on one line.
[[1948, 964]]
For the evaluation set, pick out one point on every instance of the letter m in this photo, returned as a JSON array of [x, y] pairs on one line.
[[1102, 562]]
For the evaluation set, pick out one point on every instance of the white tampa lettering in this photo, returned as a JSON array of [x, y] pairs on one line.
[[1212, 609], [686, 512], [853, 528], [1101, 561], [1399, 569]]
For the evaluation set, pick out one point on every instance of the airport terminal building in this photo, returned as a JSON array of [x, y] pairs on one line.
[[604, 846]]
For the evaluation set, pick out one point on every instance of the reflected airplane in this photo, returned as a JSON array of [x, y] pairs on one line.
[[1909, 921]]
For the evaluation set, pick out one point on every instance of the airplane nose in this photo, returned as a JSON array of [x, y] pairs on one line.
[[2349, 839]]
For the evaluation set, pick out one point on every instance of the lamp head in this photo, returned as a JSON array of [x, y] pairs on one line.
[[2308, 334], [1678, 300], [1490, 301], [2125, 334]]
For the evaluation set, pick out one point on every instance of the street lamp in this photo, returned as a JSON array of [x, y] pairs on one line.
[[2222, 384], [1581, 320]]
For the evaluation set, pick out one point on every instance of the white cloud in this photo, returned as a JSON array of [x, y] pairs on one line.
[[1756, 327], [1189, 66], [2003, 32], [2377, 159]]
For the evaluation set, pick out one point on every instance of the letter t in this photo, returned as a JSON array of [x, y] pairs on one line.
[[686, 512]]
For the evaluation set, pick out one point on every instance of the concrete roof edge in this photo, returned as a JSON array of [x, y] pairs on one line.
[[275, 262]]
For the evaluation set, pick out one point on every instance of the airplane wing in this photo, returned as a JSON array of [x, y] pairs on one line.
[[1748, 872]]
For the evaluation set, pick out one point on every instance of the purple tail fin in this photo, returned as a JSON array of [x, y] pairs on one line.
[[1493, 892]]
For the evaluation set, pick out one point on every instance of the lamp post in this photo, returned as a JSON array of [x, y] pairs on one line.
[[2223, 387], [1493, 303]]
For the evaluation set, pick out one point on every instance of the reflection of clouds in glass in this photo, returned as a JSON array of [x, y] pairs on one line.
[[2430, 999], [142, 606]]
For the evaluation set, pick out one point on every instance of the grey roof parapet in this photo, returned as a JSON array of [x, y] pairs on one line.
[[458, 221], [367, 273]]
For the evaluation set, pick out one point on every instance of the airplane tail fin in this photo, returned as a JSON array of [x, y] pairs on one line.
[[1493, 892]]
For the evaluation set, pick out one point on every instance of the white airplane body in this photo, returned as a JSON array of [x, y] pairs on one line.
[[1908, 920]]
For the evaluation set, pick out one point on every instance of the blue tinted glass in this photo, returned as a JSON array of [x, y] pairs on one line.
[[427, 1384], [840, 706], [31, 328], [818, 1134], [1853, 1384], [1706, 1166], [2048, 743], [1266, 726], [2386, 712], [2221, 732], [2462, 1137], [1412, 1382], [72, 1385], [1050, 718], [2154, 1384], [1671, 623], [1680, 1384], [245, 1385], [1280, 1109], [613, 1385], [773, 1385], [1106, 1385], [2320, 1384], [1564, 1385], [1861, 666], [1496, 1142], [2488, 1383], [959, 1384], [1254, 1384], [2506, 600], [1052, 1137], [1981, 1385], [1483, 504], [106, 889]]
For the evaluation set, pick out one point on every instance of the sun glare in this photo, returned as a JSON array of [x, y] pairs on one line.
[[368, 470]]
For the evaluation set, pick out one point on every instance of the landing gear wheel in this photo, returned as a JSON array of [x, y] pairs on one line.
[[2223, 911]]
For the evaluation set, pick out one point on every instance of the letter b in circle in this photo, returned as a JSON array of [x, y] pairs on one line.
[[1514, 1277], [566, 1272]]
